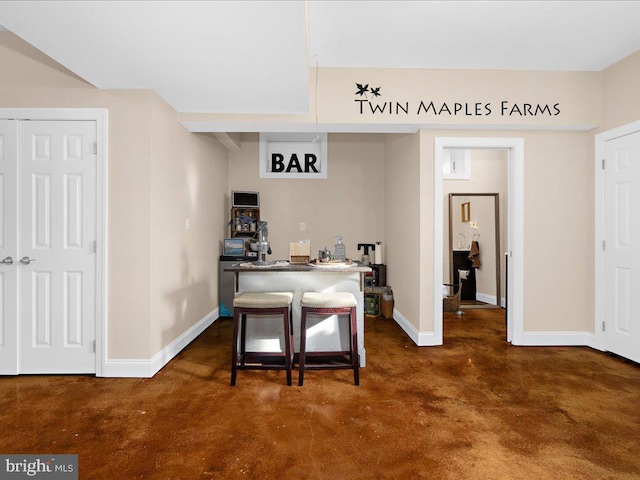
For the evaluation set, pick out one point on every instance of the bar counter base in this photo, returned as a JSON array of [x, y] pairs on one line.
[[324, 333]]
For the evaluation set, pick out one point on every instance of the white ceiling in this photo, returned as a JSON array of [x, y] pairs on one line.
[[253, 56]]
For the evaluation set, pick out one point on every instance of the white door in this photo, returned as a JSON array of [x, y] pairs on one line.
[[55, 261], [622, 242], [8, 248]]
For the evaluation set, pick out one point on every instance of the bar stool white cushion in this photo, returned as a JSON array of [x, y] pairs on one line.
[[263, 300], [328, 300]]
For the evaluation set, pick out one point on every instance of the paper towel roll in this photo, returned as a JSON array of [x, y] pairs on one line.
[[378, 254]]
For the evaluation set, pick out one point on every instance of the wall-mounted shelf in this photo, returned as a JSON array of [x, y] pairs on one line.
[[244, 222]]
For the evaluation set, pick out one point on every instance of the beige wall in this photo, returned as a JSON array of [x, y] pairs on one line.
[[188, 182], [129, 195], [426, 232], [576, 93], [558, 232], [402, 230], [146, 146], [350, 202], [620, 93]]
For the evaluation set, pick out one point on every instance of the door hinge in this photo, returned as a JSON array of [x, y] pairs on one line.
[[603, 327], [604, 245], [93, 346], [95, 246], [95, 148], [603, 164]]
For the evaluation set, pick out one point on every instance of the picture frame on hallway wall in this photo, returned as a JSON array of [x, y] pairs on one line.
[[465, 211]]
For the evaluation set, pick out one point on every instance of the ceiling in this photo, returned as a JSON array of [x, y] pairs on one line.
[[254, 56]]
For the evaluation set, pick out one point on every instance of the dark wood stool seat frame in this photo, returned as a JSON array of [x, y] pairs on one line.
[[244, 360], [351, 354]]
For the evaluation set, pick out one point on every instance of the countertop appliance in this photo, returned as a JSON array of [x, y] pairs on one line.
[[366, 246]]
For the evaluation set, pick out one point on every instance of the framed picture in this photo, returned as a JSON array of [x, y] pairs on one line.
[[465, 211], [233, 246]]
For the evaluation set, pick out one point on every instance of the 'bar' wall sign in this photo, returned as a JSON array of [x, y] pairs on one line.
[[293, 155]]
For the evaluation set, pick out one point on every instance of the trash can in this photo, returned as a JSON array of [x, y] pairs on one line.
[[386, 305]]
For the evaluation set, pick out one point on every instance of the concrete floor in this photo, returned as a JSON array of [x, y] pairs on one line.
[[475, 408]]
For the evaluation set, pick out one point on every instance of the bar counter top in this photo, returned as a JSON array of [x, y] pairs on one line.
[[285, 266]]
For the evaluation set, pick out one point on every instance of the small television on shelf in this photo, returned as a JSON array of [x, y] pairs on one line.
[[245, 199], [233, 246]]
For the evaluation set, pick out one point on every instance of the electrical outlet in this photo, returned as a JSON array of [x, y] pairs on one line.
[[302, 226]]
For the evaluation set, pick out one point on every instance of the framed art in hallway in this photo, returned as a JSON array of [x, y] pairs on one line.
[[465, 211]]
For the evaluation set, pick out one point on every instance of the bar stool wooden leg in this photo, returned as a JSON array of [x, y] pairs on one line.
[[355, 356], [287, 345], [234, 347], [243, 336], [303, 346], [291, 339]]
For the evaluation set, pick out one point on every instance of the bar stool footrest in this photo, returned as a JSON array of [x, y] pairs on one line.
[[262, 361], [329, 366], [263, 366]]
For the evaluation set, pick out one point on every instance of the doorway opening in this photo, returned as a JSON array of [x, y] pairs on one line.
[[513, 245], [473, 239]]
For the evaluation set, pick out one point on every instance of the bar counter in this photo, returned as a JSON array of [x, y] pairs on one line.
[[323, 333]]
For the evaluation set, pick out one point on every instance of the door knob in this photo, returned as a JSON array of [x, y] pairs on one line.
[[7, 261], [27, 260]]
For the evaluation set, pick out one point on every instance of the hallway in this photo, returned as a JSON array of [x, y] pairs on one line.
[[475, 408]]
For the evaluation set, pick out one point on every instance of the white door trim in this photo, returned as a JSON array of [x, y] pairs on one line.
[[101, 117], [599, 287], [515, 229]]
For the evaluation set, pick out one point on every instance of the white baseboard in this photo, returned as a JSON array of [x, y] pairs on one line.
[[134, 368], [147, 368], [557, 339], [491, 299], [421, 339], [530, 339]]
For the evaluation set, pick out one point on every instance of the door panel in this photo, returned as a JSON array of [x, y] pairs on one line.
[[8, 248], [57, 230], [622, 234]]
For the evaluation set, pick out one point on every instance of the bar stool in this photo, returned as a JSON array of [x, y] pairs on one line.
[[336, 303], [261, 304]]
